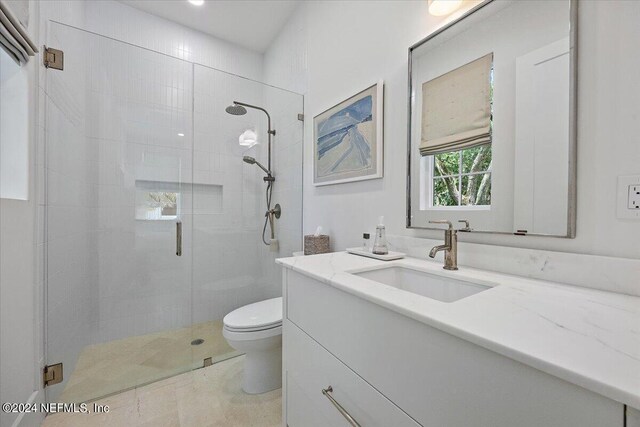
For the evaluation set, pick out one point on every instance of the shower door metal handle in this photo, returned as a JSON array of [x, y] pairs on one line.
[[179, 238]]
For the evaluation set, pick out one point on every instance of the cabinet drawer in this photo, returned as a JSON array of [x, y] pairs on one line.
[[437, 378], [310, 369]]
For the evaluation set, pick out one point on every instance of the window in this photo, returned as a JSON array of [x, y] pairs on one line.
[[161, 205], [157, 200], [14, 129], [461, 179]]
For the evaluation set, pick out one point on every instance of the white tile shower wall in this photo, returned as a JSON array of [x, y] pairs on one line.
[[71, 226], [225, 247], [107, 130], [285, 66], [284, 107], [285, 61], [113, 19], [116, 20], [138, 104], [232, 267], [606, 125], [121, 88], [103, 138]]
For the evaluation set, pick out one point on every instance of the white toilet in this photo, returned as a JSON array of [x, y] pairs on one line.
[[256, 330]]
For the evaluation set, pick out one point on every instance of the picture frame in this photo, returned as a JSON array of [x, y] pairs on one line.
[[348, 139]]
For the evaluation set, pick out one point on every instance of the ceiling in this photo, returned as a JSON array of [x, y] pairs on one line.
[[253, 24]]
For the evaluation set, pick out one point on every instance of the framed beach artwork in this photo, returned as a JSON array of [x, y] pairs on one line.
[[347, 139]]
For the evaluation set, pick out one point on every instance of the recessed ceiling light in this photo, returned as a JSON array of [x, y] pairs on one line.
[[196, 2], [181, 134]]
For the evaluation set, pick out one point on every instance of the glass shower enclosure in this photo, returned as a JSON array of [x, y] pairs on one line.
[[152, 220]]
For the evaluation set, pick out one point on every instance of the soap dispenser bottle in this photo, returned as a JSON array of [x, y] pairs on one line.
[[380, 242]]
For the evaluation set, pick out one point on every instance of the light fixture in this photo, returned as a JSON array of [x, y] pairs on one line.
[[196, 2], [181, 134], [443, 7], [248, 138]]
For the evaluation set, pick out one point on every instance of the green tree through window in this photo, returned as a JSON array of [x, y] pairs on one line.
[[462, 178]]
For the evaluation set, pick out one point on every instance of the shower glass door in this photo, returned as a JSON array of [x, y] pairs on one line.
[[138, 147], [119, 190]]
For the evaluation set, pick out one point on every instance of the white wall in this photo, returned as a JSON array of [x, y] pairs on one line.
[[121, 22], [18, 333], [20, 288], [350, 48]]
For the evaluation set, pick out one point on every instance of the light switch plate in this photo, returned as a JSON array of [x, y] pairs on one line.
[[629, 197]]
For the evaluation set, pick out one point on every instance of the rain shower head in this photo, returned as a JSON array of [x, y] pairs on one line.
[[236, 110]]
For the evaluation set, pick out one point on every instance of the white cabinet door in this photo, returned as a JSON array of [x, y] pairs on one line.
[[310, 369]]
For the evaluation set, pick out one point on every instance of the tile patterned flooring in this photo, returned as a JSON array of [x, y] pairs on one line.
[[205, 397], [108, 368]]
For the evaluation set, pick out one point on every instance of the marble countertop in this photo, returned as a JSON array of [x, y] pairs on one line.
[[587, 337]]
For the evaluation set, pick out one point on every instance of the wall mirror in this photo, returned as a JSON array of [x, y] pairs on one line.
[[492, 118]]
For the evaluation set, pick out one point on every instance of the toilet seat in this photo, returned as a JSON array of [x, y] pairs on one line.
[[252, 335], [256, 317], [267, 327]]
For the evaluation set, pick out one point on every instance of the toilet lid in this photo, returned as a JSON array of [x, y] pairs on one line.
[[261, 314]]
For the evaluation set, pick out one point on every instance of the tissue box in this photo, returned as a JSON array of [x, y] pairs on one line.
[[316, 244]]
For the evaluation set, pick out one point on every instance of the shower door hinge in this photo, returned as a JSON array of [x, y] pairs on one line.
[[52, 374], [53, 58], [301, 117]]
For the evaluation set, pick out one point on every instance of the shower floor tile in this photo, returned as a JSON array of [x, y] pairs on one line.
[[112, 367], [205, 397]]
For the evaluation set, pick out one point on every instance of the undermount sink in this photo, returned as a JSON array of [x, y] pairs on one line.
[[429, 285]]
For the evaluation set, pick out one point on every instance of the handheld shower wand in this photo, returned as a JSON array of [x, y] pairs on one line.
[[252, 161]]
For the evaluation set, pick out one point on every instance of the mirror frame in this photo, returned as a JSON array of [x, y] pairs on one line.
[[573, 114]]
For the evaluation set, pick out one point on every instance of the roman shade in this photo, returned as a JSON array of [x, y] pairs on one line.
[[13, 36], [456, 108]]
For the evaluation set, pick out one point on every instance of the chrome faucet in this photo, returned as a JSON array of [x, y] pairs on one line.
[[450, 246]]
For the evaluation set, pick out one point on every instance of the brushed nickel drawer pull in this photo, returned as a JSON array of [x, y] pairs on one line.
[[327, 392]]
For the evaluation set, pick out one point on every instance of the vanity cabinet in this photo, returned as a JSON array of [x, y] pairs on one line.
[[386, 369]]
